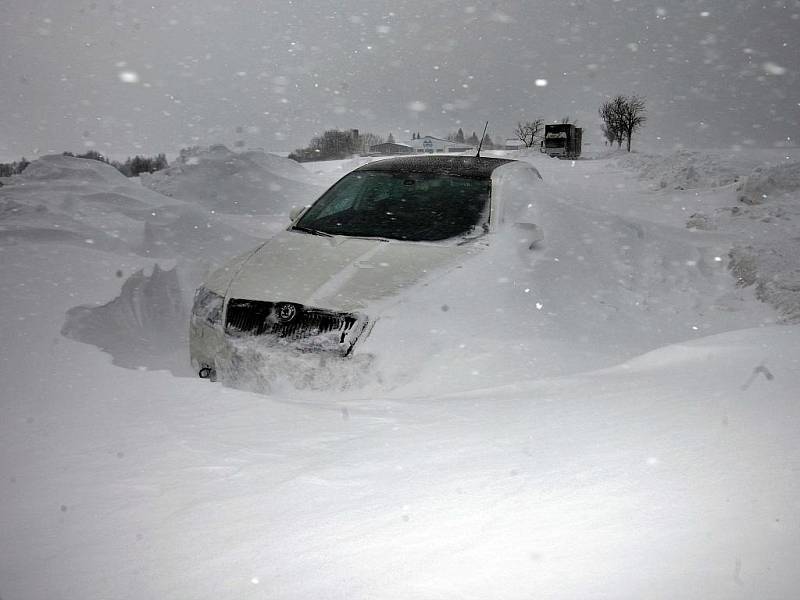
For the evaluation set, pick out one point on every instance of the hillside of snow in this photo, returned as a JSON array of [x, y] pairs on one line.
[[746, 199], [609, 413], [89, 204], [240, 183]]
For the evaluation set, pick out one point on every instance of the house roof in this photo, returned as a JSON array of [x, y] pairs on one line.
[[390, 144]]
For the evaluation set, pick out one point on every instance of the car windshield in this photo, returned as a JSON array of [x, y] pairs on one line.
[[401, 206]]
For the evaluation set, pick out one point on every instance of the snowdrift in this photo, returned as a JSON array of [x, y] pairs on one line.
[[141, 328], [770, 260], [698, 169], [751, 200], [593, 290], [238, 183], [452, 466], [767, 183], [767, 216], [682, 170], [65, 170], [89, 203], [78, 201]]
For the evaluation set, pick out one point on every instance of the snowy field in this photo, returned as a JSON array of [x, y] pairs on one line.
[[612, 414]]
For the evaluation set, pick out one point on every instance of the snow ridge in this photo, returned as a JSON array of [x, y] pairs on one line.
[[236, 183], [142, 326]]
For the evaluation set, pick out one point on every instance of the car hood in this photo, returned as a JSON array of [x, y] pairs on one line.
[[338, 273]]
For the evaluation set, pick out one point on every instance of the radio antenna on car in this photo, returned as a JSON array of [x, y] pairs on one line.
[[482, 138]]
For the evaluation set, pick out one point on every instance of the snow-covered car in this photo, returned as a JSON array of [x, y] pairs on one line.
[[380, 229]]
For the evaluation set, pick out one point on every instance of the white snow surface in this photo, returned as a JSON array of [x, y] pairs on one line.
[[610, 414], [252, 182]]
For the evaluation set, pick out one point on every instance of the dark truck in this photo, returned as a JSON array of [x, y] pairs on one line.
[[562, 140]]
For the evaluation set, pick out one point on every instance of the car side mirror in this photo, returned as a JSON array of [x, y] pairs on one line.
[[295, 213], [533, 234]]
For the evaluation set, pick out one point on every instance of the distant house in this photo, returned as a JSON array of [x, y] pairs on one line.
[[390, 148], [432, 145], [513, 144]]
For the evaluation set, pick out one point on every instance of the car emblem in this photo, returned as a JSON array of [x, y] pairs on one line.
[[287, 312]]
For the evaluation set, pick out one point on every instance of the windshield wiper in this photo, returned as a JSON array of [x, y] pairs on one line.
[[341, 235], [312, 231], [376, 238]]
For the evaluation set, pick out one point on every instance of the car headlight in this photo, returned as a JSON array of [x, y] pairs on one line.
[[207, 306]]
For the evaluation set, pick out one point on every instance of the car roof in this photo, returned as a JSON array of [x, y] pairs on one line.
[[479, 167]]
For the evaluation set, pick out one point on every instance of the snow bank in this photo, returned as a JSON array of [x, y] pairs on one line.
[[77, 201], [766, 221], [463, 473], [681, 170], [67, 169], [229, 182], [141, 327], [191, 234], [769, 182], [593, 289], [752, 198], [89, 204], [774, 270], [273, 369]]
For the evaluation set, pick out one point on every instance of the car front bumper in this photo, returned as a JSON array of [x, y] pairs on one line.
[[211, 348], [207, 346]]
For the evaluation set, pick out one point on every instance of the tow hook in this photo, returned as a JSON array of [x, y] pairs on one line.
[[208, 373]]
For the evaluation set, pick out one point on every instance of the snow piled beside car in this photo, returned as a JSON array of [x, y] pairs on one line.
[[672, 470], [252, 182]]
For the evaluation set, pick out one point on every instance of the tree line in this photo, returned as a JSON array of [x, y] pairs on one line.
[[622, 117], [13, 168], [473, 140], [335, 144], [130, 168]]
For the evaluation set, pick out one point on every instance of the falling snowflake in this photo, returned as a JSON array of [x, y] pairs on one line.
[[773, 69], [129, 77]]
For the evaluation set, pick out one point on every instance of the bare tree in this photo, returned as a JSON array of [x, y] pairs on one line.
[[632, 117], [622, 117], [610, 136], [365, 140], [529, 132], [610, 112], [332, 144]]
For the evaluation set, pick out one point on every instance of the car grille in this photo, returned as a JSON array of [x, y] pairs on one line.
[[253, 317]]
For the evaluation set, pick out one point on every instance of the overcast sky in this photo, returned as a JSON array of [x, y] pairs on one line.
[[135, 76]]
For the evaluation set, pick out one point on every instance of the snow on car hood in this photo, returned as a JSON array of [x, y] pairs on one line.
[[337, 273]]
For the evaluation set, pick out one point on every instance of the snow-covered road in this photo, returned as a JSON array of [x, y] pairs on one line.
[[493, 472]]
